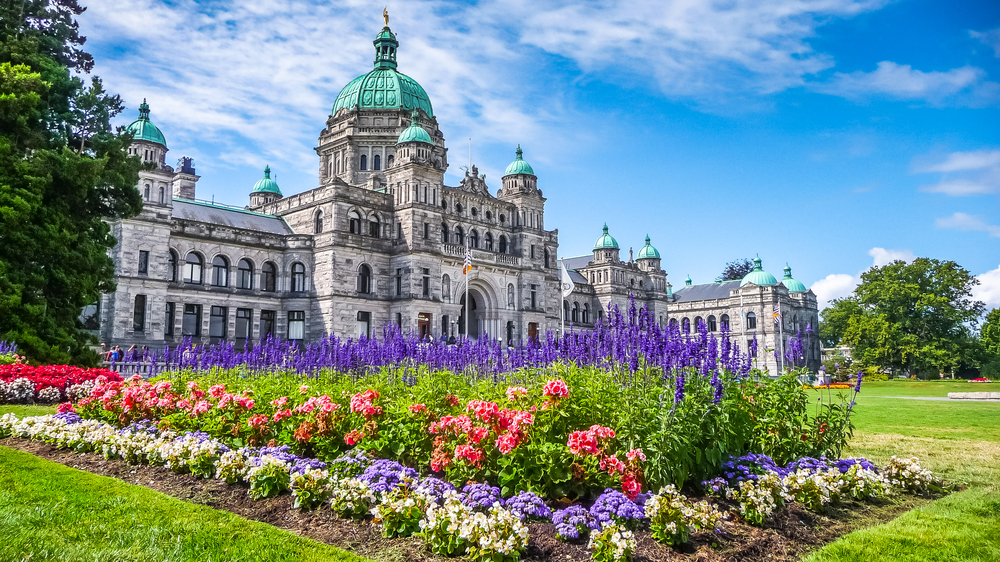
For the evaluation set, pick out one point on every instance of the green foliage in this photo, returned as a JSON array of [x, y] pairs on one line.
[[908, 317], [735, 270], [989, 335], [62, 172], [991, 370]]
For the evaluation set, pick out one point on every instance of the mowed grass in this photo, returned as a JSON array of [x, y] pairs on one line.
[[23, 410], [51, 512], [960, 442]]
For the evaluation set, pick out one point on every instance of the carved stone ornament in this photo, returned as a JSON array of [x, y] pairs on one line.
[[475, 183]]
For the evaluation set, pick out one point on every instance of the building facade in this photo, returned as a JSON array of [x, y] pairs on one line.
[[380, 241]]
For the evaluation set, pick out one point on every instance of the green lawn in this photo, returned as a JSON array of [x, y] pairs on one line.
[[51, 512], [959, 441], [24, 411]]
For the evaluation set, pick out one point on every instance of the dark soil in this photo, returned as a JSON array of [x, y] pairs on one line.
[[787, 537]]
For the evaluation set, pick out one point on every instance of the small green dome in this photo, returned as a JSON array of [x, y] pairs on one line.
[[758, 276], [414, 133], [793, 285], [648, 251], [266, 185], [519, 166], [606, 240], [144, 129], [384, 87], [688, 282]]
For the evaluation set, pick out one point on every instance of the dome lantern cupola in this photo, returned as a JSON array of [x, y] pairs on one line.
[[414, 133], [648, 257], [793, 285], [143, 129], [519, 177], [758, 276], [385, 47], [265, 190], [606, 248]]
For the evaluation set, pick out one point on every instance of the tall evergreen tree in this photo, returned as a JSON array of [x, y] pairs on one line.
[[63, 171]]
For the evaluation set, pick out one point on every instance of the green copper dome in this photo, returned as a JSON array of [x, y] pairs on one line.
[[606, 240], [758, 276], [414, 133], [648, 251], [519, 166], [793, 285], [688, 282], [266, 185], [144, 129], [384, 87]]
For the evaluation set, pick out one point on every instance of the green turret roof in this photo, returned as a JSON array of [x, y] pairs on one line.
[[688, 282], [144, 129], [793, 285], [519, 166], [648, 251], [606, 240], [384, 87], [266, 185], [414, 133], [758, 276]]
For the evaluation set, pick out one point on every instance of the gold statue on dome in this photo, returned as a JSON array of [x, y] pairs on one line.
[[385, 14]]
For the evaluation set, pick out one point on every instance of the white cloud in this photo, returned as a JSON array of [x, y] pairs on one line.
[[966, 85], [967, 223], [885, 257], [989, 38], [988, 289], [839, 285], [963, 173]]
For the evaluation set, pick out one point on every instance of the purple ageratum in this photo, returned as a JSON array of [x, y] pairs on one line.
[[304, 464], [435, 488], [350, 464], [527, 505], [67, 417], [141, 426], [614, 506], [573, 521], [385, 475], [481, 496]]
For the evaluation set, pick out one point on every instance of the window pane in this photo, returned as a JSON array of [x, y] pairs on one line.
[[192, 320], [296, 325], [217, 323], [139, 315], [143, 262], [168, 328], [266, 323]]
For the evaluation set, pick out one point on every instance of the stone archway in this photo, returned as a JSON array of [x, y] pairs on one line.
[[483, 310]]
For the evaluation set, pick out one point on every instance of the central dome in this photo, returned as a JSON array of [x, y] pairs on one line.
[[384, 87]]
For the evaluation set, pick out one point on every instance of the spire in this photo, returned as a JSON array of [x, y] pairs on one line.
[[647, 240], [788, 271], [605, 228], [385, 46], [688, 282], [757, 264], [414, 118], [144, 110], [519, 152], [267, 171]]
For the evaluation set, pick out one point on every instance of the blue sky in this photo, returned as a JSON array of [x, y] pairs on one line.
[[829, 134]]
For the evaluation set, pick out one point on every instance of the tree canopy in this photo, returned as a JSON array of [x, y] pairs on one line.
[[989, 335], [63, 171], [913, 317], [735, 270]]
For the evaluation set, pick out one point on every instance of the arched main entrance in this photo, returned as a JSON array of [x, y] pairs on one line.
[[476, 308]]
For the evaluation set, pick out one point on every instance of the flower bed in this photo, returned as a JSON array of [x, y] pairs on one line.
[[980, 380], [477, 520], [834, 386], [20, 383]]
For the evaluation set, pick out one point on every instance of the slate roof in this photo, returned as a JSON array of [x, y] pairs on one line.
[[228, 216], [705, 292], [572, 264]]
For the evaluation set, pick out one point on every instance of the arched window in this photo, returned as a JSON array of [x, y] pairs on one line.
[[220, 272], [546, 256], [444, 204], [673, 323], [724, 319], [162, 199], [795, 322], [458, 208], [298, 277], [576, 312], [566, 310], [631, 282], [377, 162], [503, 218], [364, 162], [172, 266], [389, 160], [474, 238], [444, 233], [354, 218], [459, 235], [146, 196], [503, 244], [510, 295], [489, 216], [244, 274], [474, 211], [640, 283], [446, 288], [751, 321], [269, 277], [488, 241], [586, 313], [686, 326], [318, 222], [698, 323], [364, 279], [192, 269], [373, 226], [712, 327]]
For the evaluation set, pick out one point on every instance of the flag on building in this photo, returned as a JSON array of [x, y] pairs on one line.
[[468, 262], [777, 313], [566, 283]]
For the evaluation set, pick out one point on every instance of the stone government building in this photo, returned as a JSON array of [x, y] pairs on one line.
[[382, 241]]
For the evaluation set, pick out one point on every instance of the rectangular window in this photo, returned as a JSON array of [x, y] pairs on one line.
[[139, 314], [266, 324], [399, 282], [143, 262], [427, 230], [217, 324], [192, 320], [532, 251], [533, 296], [168, 327], [399, 230], [296, 325], [364, 325], [426, 282], [244, 327], [399, 320]]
